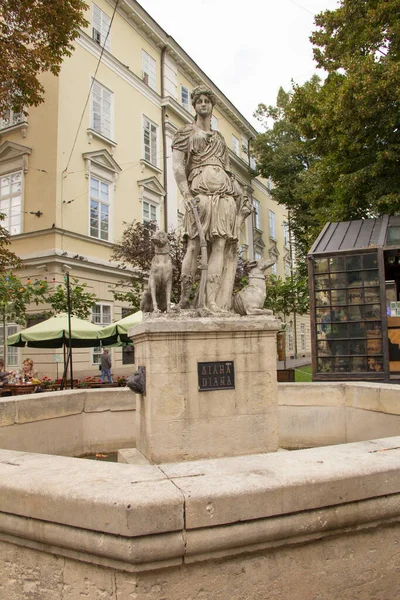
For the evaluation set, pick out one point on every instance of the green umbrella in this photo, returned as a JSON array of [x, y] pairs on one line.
[[118, 331], [53, 333]]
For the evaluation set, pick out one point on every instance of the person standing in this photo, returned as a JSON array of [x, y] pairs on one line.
[[105, 363]]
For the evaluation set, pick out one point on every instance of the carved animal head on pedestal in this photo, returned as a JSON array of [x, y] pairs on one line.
[[160, 239], [258, 267], [250, 300]]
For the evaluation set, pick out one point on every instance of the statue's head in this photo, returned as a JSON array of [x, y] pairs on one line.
[[203, 90]]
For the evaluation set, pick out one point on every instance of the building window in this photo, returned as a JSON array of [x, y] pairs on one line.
[[150, 141], [12, 356], [272, 230], [101, 26], [99, 208], [290, 338], [257, 217], [303, 337], [149, 70], [214, 123], [274, 269], [149, 211], [185, 97], [101, 315], [286, 235], [253, 164], [101, 103], [10, 118], [287, 268], [11, 202], [235, 145], [257, 256]]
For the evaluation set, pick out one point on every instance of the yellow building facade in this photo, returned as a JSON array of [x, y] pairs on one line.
[[97, 154]]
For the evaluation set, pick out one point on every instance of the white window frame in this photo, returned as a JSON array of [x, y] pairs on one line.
[[98, 350], [185, 97], [12, 351], [149, 70], [153, 153], [10, 118], [303, 337], [214, 123], [151, 205], [253, 164], [274, 268], [286, 242], [245, 148], [290, 338], [257, 214], [272, 225], [235, 145], [104, 21], [101, 203], [106, 115], [9, 197]]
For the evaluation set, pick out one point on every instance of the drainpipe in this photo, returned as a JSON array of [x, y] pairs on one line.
[[164, 140]]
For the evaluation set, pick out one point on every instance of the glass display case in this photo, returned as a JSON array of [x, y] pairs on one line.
[[347, 315]]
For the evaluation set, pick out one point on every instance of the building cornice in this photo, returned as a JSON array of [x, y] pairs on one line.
[[261, 187], [148, 27], [58, 257]]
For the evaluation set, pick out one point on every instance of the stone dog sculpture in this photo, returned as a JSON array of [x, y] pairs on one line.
[[250, 300], [156, 298]]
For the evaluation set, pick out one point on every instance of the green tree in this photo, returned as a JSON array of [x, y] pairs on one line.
[[284, 156], [81, 300], [287, 296], [35, 36], [8, 259], [342, 135], [14, 298]]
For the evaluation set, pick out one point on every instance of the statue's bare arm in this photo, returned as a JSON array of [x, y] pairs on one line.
[[178, 164]]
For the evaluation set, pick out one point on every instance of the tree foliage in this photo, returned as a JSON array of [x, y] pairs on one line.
[[35, 36], [135, 249], [334, 148], [287, 296], [15, 296], [81, 301], [8, 259]]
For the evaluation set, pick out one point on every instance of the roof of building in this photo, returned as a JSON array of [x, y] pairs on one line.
[[358, 235]]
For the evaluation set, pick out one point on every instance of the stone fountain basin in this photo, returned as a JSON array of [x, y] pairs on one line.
[[192, 529]]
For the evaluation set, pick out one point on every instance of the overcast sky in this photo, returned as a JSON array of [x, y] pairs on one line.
[[249, 48]]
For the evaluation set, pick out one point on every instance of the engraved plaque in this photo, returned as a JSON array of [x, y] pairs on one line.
[[216, 375]]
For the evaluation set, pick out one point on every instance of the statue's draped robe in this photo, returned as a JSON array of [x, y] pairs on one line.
[[220, 197]]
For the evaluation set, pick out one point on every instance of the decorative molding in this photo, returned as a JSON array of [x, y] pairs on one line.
[[261, 187], [171, 104], [91, 133], [103, 160], [23, 127], [146, 164], [13, 157]]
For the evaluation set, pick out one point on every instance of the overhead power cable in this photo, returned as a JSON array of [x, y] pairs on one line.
[[91, 85]]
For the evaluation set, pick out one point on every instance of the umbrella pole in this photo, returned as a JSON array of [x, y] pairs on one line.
[[69, 328]]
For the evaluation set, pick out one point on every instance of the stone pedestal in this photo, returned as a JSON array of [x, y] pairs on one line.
[[175, 420]]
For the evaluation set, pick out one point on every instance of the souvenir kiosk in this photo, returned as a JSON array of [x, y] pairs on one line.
[[354, 278]]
